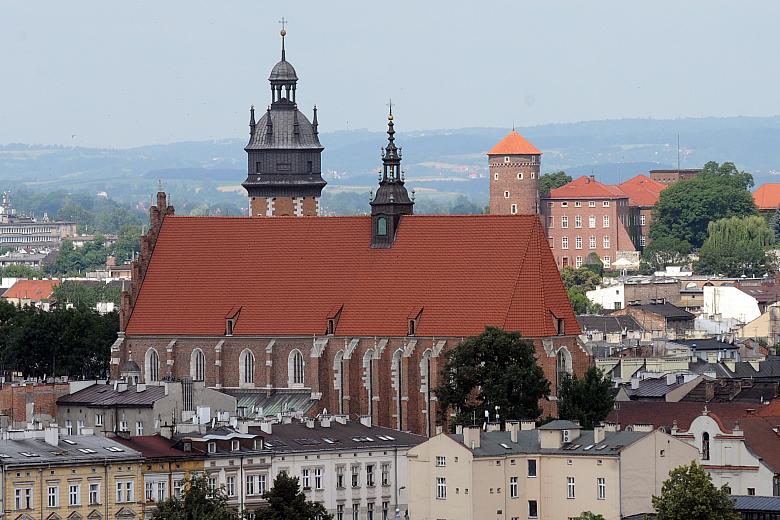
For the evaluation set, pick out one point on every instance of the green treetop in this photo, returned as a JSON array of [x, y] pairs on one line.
[[689, 494]]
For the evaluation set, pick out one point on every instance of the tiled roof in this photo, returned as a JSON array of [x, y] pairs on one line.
[[764, 293], [767, 196], [155, 447], [756, 421], [286, 275], [514, 144], [101, 396], [642, 190], [35, 290], [586, 187]]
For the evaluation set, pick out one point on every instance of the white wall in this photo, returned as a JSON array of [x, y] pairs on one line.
[[729, 302], [607, 296]]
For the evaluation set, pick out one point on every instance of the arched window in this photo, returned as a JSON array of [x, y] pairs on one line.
[[368, 379], [397, 374], [381, 226], [425, 387], [295, 369], [246, 366], [562, 364], [705, 446], [338, 379], [152, 366], [198, 365]]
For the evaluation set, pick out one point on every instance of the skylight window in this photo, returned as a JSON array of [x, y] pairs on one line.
[[68, 441], [504, 446]]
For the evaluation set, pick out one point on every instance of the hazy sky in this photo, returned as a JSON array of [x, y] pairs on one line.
[[113, 73]]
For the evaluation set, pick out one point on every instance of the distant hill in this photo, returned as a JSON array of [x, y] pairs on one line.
[[440, 163]]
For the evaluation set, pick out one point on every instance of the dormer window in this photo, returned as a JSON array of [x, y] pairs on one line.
[[230, 320], [559, 326], [412, 320], [212, 447], [187, 446], [333, 319], [331, 326], [234, 445], [381, 226], [229, 324], [412, 327]]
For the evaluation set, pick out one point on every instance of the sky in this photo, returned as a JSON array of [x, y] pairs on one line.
[[121, 74]]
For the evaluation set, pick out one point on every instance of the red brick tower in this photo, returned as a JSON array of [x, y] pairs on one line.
[[514, 176]]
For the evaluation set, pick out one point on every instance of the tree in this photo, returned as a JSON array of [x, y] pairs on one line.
[[577, 283], [587, 515], [588, 400], [774, 223], [688, 494], [286, 500], [128, 243], [22, 271], [737, 246], [550, 181], [197, 502], [685, 208], [496, 368], [664, 251]]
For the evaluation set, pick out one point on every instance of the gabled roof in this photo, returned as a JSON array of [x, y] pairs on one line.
[[34, 290], [667, 310], [514, 144], [465, 272], [586, 187], [767, 196], [155, 447], [607, 324], [642, 190], [297, 437], [103, 396]]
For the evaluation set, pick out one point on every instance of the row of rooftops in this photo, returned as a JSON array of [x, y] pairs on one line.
[[641, 190]]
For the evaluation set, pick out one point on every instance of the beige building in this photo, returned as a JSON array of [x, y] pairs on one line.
[[555, 472]]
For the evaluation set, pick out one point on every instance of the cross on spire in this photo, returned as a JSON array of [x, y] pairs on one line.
[[283, 32], [390, 105], [283, 23]]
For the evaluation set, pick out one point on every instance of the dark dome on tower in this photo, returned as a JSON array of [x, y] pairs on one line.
[[283, 71]]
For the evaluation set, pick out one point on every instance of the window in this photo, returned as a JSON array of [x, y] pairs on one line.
[[139, 428], [569, 487], [705, 446], [520, 176], [152, 365], [495, 176], [124, 490], [385, 474], [642, 220], [198, 365], [295, 368], [550, 222], [606, 261], [751, 491], [235, 445], [94, 494], [532, 468], [54, 496], [578, 221], [149, 491], [123, 426], [441, 488], [370, 475], [79, 426], [507, 159], [578, 262], [533, 509], [370, 511], [513, 487], [381, 226], [339, 477], [564, 221], [69, 426], [577, 204], [309, 167], [565, 204], [592, 242], [591, 203], [356, 511], [162, 491], [305, 478], [513, 209], [212, 483], [601, 486], [355, 476], [564, 242], [506, 194], [251, 488], [606, 241], [260, 484], [578, 242], [340, 512], [412, 328], [246, 367], [211, 447], [592, 221], [317, 478], [178, 487], [257, 167], [98, 419], [605, 221], [385, 510], [74, 495], [230, 485], [605, 203], [23, 498], [642, 240], [441, 461]]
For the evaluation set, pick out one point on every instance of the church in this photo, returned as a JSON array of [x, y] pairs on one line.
[[354, 313]]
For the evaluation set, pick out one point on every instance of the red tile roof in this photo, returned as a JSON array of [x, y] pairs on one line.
[[34, 290], [287, 275], [756, 420], [586, 187], [767, 196], [514, 144], [155, 447], [642, 190]]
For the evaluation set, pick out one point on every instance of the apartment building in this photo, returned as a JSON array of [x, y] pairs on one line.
[[552, 472], [45, 476]]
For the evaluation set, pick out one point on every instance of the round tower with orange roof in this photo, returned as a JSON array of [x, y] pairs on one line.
[[514, 165]]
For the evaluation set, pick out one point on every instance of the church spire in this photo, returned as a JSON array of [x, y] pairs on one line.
[[283, 32], [252, 123]]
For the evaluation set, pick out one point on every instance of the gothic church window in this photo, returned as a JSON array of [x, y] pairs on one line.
[[198, 365], [295, 369], [152, 366], [246, 366]]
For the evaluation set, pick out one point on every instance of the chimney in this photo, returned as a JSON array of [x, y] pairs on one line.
[[286, 419], [599, 432], [341, 419], [527, 425], [140, 387], [671, 379], [439, 429], [459, 429], [610, 427], [471, 436], [513, 427], [325, 421], [493, 426], [309, 422], [365, 420], [634, 383], [52, 436], [265, 427]]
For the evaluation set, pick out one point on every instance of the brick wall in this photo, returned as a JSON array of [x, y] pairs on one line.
[[14, 399], [514, 184]]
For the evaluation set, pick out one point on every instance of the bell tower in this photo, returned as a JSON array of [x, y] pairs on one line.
[[514, 166], [284, 173], [391, 201]]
